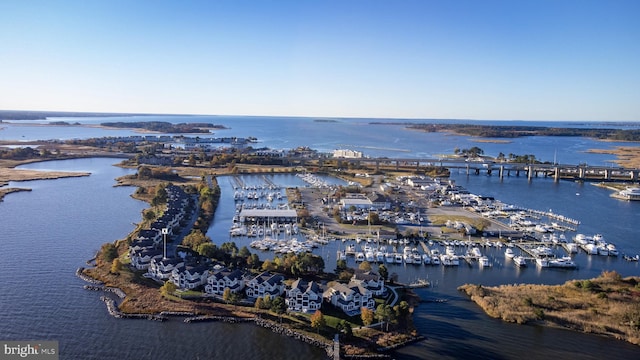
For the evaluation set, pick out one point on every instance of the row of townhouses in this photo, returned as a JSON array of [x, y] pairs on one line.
[[149, 243], [301, 296]]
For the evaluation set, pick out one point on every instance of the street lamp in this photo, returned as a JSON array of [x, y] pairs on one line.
[[165, 231]]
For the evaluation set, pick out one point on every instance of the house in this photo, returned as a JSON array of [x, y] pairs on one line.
[[350, 298], [141, 257], [304, 296], [221, 280], [161, 269], [190, 276], [150, 234], [265, 284], [370, 281]]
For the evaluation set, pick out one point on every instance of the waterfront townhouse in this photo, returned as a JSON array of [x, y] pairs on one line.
[[265, 284], [154, 235], [349, 298], [304, 296], [225, 279], [161, 269], [141, 257], [144, 244], [190, 277], [370, 281]]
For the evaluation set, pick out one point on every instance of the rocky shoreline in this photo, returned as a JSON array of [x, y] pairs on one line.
[[112, 308]]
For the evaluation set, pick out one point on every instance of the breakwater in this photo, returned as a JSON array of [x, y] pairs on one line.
[[210, 318], [282, 330], [113, 310], [90, 280]]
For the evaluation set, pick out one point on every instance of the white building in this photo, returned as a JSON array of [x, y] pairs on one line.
[[346, 153]]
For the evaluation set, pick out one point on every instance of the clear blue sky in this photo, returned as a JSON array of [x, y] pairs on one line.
[[478, 59]]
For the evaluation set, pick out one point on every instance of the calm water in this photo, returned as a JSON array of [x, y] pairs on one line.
[[357, 134], [49, 232]]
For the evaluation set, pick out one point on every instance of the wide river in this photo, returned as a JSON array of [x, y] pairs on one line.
[[49, 232]]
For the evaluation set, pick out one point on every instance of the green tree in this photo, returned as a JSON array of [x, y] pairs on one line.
[[109, 252], [268, 265], [383, 271], [259, 303], [279, 306], [149, 215], [266, 302], [207, 249], [344, 327], [365, 266], [346, 275], [384, 313], [318, 321], [403, 312], [160, 196], [244, 252], [253, 261], [168, 288], [230, 297], [367, 315], [195, 238]]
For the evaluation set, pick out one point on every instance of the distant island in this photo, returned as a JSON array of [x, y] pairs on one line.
[[42, 115], [514, 131], [166, 127]]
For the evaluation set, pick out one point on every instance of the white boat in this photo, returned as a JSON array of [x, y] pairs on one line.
[[398, 258], [435, 260], [483, 261], [360, 256], [417, 258], [571, 247], [542, 262], [612, 250], [369, 256], [563, 262], [389, 258], [508, 253], [590, 248], [426, 259], [632, 193], [603, 250], [520, 261]]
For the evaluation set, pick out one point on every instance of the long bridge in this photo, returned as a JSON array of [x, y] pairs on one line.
[[502, 169]]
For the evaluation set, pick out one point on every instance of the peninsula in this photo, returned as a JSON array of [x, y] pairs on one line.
[[608, 305]]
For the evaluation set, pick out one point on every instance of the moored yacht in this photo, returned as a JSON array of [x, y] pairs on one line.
[[563, 262], [508, 253], [520, 261], [483, 261]]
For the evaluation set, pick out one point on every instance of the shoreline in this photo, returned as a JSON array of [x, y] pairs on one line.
[[602, 306]]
